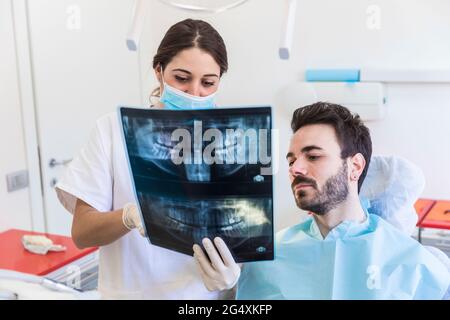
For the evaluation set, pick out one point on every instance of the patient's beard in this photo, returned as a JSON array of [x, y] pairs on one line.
[[334, 192]]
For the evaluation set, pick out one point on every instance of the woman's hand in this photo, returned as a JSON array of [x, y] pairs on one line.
[[131, 218], [92, 228], [222, 272]]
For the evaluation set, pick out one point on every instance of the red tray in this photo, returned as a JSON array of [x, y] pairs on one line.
[[423, 206], [438, 217], [13, 255]]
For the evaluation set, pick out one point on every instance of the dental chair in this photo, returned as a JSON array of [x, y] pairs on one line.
[[390, 189]]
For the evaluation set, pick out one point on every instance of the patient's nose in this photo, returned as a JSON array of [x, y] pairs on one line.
[[298, 168]]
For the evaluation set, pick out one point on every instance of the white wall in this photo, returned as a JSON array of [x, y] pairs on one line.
[[14, 206], [334, 34]]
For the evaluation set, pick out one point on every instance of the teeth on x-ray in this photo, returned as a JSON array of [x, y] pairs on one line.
[[198, 172], [154, 141], [183, 203], [199, 218], [151, 145]]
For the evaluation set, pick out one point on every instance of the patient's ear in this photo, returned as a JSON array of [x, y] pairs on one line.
[[358, 163]]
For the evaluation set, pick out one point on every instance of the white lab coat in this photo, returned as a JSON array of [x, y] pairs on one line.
[[130, 267]]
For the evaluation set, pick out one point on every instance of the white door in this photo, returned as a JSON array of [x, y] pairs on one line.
[[81, 71], [14, 206]]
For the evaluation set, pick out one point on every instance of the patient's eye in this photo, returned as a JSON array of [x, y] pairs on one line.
[[313, 157], [290, 162]]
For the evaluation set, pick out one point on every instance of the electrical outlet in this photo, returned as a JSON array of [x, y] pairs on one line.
[[17, 180]]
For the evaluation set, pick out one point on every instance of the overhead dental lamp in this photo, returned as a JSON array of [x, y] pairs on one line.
[[287, 33], [137, 23], [204, 6], [140, 10]]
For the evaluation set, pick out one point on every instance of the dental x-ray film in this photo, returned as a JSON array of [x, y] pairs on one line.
[[203, 173]]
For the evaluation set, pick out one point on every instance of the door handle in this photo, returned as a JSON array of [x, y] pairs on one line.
[[53, 162]]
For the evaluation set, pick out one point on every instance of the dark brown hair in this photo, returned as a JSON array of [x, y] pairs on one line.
[[352, 135], [188, 34]]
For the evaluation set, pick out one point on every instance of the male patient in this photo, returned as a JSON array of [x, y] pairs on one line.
[[340, 251]]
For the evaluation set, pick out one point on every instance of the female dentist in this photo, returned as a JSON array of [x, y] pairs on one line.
[[96, 187]]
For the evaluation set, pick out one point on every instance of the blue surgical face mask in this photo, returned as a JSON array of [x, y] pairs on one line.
[[175, 99]]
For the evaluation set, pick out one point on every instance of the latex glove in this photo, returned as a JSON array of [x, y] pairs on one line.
[[40, 244], [131, 218], [222, 272]]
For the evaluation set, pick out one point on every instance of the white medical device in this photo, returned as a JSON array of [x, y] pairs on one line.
[[17, 286], [137, 23], [365, 98], [204, 6], [287, 32], [140, 10]]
